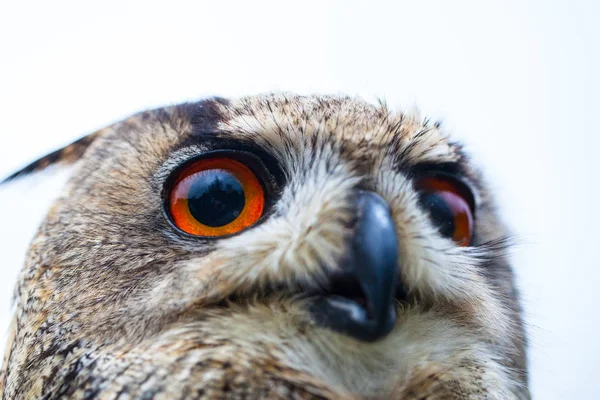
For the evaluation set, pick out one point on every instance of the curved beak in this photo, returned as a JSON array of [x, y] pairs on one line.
[[360, 302]]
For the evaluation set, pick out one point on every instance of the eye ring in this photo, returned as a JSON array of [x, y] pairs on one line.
[[450, 204], [215, 195]]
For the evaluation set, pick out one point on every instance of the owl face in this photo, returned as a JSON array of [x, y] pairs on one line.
[[272, 246]]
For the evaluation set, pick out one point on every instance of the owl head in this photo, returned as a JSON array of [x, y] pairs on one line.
[[275, 246]]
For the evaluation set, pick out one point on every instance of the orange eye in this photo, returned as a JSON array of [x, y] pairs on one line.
[[215, 197], [450, 207]]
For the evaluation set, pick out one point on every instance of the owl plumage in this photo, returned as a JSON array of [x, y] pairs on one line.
[[114, 301]]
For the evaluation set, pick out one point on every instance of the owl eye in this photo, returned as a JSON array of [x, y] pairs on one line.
[[450, 206], [215, 196]]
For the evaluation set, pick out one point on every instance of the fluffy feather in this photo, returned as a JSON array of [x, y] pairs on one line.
[[113, 302]]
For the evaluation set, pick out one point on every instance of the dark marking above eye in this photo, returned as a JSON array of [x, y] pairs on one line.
[[445, 168]]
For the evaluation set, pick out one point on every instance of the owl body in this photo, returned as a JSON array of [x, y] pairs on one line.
[[117, 299]]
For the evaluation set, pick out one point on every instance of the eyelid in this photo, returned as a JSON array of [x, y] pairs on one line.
[[251, 160], [472, 196], [218, 142]]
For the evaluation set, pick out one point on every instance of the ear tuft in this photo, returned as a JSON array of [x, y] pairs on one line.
[[67, 155]]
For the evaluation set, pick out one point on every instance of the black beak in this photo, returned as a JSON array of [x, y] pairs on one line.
[[360, 300]]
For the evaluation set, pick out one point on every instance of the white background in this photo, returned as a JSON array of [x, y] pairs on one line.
[[516, 81]]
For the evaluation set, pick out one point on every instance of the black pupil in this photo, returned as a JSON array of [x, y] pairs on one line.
[[439, 212], [216, 198]]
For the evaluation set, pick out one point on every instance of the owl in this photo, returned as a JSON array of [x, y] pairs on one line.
[[269, 247]]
